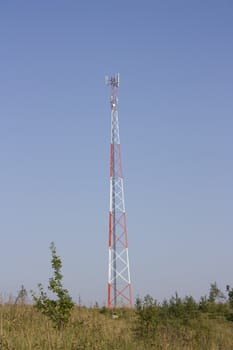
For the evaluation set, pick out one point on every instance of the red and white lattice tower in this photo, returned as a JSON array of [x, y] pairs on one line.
[[119, 284]]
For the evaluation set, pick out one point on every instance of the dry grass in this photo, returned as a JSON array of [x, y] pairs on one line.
[[24, 328]]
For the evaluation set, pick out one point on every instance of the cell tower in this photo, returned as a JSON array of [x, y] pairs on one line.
[[119, 284]]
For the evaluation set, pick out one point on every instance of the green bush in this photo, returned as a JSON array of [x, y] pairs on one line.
[[59, 309]]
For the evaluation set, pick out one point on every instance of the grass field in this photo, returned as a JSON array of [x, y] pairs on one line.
[[22, 327]]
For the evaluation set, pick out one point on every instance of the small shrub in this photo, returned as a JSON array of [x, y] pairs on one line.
[[148, 316], [57, 310], [22, 296]]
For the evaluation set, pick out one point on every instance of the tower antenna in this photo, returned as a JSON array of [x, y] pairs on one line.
[[119, 283]]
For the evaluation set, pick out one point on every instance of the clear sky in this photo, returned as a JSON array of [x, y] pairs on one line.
[[175, 111]]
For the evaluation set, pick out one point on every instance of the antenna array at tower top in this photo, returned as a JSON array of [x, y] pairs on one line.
[[114, 81]]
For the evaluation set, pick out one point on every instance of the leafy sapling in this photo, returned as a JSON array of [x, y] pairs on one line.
[[58, 309]]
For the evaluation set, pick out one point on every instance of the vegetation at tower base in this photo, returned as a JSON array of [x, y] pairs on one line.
[[178, 323], [174, 324], [59, 309]]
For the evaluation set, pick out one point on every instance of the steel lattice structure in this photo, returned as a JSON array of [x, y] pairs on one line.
[[119, 284]]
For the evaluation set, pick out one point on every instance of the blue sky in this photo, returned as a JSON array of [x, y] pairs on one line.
[[175, 60]]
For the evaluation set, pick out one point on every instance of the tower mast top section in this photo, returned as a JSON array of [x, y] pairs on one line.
[[113, 81]]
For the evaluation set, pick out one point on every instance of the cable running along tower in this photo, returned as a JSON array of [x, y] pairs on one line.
[[119, 284]]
